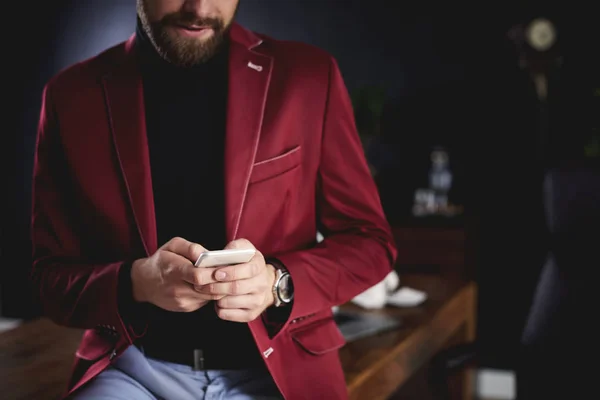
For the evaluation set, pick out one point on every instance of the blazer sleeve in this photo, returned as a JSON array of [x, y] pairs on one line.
[[358, 250], [73, 291]]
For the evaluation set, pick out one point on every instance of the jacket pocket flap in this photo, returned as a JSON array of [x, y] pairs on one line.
[[93, 346], [275, 166], [320, 337]]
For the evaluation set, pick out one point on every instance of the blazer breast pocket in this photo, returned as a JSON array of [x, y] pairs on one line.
[[276, 166]]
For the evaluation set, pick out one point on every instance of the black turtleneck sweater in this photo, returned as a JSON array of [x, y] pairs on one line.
[[185, 120]]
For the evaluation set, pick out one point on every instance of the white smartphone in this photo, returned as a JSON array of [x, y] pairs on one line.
[[217, 258]]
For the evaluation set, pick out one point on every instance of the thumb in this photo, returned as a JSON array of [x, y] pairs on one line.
[[239, 244], [184, 248]]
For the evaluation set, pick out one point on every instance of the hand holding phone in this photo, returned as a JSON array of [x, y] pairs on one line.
[[155, 281], [218, 258], [244, 283]]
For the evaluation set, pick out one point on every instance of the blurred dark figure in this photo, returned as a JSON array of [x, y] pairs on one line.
[[539, 210], [559, 331], [534, 183]]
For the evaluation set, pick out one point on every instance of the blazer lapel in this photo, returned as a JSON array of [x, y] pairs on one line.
[[249, 78], [125, 108]]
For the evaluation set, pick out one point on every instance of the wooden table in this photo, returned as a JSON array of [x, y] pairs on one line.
[[377, 366], [36, 357], [36, 360]]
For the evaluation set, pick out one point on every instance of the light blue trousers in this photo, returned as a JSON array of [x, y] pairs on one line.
[[133, 376]]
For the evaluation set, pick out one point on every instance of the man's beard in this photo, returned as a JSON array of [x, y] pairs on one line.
[[182, 51]]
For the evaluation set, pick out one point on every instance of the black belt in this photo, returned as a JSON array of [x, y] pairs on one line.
[[199, 360]]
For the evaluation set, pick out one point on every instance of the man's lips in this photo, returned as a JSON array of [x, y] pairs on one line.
[[194, 27], [193, 30]]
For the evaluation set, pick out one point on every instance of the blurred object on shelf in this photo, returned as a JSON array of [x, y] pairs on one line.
[[376, 296], [406, 297], [434, 199], [389, 292]]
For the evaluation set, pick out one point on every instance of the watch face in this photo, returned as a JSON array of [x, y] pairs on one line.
[[541, 34], [285, 289]]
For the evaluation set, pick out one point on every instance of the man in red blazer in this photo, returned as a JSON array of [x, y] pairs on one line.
[[198, 134]]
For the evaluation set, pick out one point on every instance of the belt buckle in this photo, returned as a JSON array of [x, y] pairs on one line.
[[198, 360]]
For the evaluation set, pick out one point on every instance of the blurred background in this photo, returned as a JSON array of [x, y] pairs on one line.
[[481, 124]]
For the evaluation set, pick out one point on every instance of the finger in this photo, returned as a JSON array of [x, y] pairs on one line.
[[184, 248], [235, 288], [242, 302], [182, 298], [198, 276], [208, 296], [248, 270], [173, 266], [239, 244], [237, 315], [187, 292]]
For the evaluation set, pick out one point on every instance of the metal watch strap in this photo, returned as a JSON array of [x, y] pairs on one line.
[[278, 274]]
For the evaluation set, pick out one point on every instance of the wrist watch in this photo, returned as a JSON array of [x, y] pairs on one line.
[[283, 289]]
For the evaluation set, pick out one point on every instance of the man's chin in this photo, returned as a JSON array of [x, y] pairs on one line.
[[191, 53]]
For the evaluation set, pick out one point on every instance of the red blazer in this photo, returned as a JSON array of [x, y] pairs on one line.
[[293, 164]]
